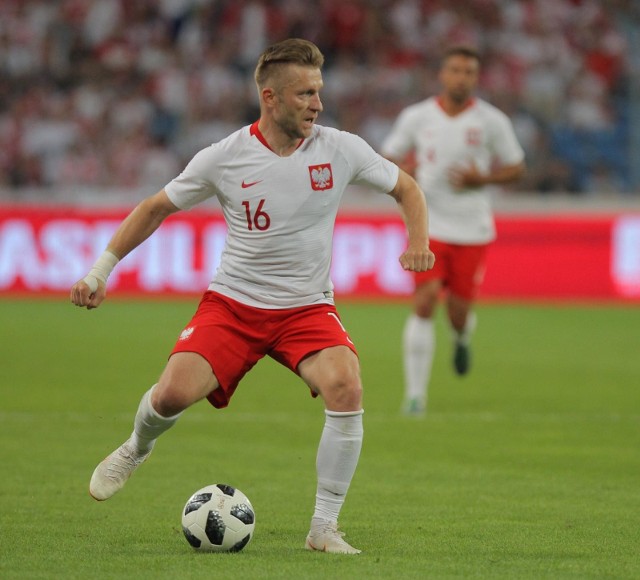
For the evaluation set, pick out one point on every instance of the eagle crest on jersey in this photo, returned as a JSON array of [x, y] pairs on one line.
[[186, 333], [321, 176], [474, 136]]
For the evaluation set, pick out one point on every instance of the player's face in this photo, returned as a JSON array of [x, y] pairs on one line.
[[298, 101], [459, 77]]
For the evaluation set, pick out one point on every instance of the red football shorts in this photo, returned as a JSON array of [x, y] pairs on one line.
[[233, 337], [459, 267]]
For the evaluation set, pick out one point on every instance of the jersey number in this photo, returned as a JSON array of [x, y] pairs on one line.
[[260, 219]]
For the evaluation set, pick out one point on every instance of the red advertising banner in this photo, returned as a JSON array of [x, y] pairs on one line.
[[44, 250], [565, 257]]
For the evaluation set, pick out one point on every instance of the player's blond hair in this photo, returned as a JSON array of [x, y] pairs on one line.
[[291, 51]]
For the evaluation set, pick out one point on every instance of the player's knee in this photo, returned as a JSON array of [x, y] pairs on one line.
[[344, 392], [425, 306], [425, 300], [424, 311], [186, 379], [169, 400], [165, 403]]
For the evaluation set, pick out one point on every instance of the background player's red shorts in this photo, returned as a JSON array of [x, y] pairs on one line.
[[459, 267], [233, 337]]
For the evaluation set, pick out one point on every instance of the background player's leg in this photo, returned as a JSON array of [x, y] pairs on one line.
[[463, 323], [418, 346], [465, 277]]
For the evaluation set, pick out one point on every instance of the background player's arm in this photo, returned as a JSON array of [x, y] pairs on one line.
[[400, 145], [469, 176], [135, 229], [413, 207], [408, 163]]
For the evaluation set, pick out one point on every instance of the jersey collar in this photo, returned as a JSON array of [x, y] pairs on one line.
[[470, 103], [255, 131]]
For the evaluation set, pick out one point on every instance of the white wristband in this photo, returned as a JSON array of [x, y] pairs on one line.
[[101, 270]]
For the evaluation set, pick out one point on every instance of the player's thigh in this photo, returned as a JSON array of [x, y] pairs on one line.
[[334, 373], [429, 284], [229, 337], [186, 379]]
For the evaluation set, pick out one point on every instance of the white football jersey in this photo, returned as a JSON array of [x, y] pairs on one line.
[[480, 134], [280, 211]]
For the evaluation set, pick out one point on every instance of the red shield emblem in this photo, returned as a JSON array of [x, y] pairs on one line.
[[321, 176]]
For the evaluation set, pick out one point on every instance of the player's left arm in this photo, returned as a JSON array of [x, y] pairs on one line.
[[471, 177], [508, 157], [413, 208]]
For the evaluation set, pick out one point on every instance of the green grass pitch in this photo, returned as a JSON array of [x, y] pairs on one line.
[[528, 468]]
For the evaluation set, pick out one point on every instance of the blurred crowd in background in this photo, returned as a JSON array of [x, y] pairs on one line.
[[122, 93]]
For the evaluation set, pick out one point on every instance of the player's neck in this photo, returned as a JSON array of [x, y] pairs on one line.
[[275, 139], [452, 107]]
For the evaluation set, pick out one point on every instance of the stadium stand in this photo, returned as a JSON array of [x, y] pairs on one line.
[[116, 94]]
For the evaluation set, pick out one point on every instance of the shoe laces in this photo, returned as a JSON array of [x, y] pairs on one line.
[[123, 462], [330, 528]]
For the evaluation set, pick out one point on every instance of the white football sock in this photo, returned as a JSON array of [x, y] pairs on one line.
[[470, 324], [148, 425], [419, 345], [338, 455]]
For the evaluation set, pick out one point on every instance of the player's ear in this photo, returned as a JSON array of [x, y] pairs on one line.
[[268, 96]]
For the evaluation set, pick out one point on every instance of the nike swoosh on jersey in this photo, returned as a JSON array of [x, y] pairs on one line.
[[245, 185]]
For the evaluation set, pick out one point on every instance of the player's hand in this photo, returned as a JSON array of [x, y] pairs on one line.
[[466, 177], [417, 258], [81, 295]]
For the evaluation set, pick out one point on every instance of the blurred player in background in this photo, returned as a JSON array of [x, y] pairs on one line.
[[279, 182], [457, 145]]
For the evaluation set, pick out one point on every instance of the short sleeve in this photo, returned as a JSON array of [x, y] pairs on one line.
[[368, 168], [195, 183], [505, 145]]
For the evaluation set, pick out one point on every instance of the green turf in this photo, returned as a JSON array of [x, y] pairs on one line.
[[527, 468]]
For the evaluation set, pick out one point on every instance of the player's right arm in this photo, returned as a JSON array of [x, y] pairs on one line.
[[413, 208], [145, 219]]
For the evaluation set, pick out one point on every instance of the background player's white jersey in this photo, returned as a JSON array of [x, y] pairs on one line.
[[280, 211], [480, 134]]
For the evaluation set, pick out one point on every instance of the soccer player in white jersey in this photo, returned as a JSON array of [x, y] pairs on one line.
[[457, 146], [279, 182]]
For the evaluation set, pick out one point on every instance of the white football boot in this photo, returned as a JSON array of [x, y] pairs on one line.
[[112, 473], [325, 537]]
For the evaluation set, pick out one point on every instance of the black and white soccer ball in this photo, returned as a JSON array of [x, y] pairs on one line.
[[218, 518]]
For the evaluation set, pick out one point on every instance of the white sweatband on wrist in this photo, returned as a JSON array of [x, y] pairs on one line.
[[100, 270]]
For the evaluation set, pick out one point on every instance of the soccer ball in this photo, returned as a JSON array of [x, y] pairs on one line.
[[218, 518]]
